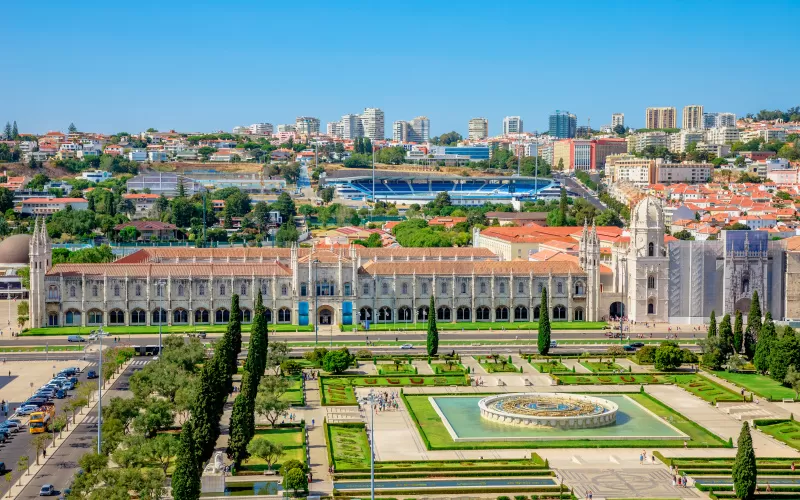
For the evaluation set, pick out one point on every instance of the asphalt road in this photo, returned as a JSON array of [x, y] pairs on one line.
[[577, 187], [64, 463], [21, 443]]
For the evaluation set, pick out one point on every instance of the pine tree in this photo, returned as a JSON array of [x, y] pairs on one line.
[[186, 477], [14, 131], [72, 128], [543, 337], [753, 326], [726, 335], [7, 132], [744, 466], [181, 188], [712, 325], [766, 341], [433, 333], [738, 333]]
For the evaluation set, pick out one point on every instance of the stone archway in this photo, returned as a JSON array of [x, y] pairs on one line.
[[325, 315], [616, 310]]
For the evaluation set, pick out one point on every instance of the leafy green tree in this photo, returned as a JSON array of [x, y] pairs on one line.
[[543, 336], [72, 128], [668, 357], [7, 132], [712, 325], [295, 480], [792, 379], [186, 477], [753, 325], [338, 361], [726, 335], [285, 206], [207, 407], [432, 342], [563, 208], [738, 333], [744, 466], [766, 342], [269, 400], [786, 354], [286, 234], [266, 450]]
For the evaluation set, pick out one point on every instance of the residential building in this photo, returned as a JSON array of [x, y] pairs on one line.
[[512, 125], [261, 129], [143, 203], [139, 155], [157, 156], [417, 130], [478, 129], [663, 117], [307, 125], [113, 150], [680, 142], [716, 120], [722, 135], [351, 127], [693, 117], [586, 154], [49, 206], [617, 119], [166, 183], [517, 218], [642, 140], [286, 128], [372, 121], [334, 129], [150, 230], [686, 172], [563, 125], [95, 175], [400, 131], [624, 168]]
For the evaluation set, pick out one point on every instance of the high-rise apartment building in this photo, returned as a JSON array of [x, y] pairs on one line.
[[692, 117], [372, 124], [286, 127], [563, 125], [417, 130], [665, 117], [351, 126], [617, 119], [512, 125], [400, 131], [586, 154], [478, 129], [307, 125], [334, 129], [261, 129], [717, 120]]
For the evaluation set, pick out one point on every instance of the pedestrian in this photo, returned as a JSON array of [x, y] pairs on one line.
[[792, 466], [640, 458], [44, 453], [685, 444]]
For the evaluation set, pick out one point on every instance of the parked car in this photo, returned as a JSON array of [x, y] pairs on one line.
[[3, 468], [47, 490], [61, 394], [406, 346], [91, 374], [637, 344], [629, 348], [553, 343], [75, 338], [11, 426], [26, 409], [3, 435]]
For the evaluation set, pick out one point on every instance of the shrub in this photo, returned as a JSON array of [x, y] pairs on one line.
[[616, 350], [291, 367], [364, 354]]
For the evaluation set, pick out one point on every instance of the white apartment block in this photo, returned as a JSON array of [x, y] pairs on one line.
[[679, 142], [400, 131], [722, 135], [692, 117], [628, 168], [617, 119], [478, 129], [334, 129], [372, 121], [512, 125], [668, 173], [637, 142], [351, 127], [261, 129], [716, 120], [307, 125], [286, 128]]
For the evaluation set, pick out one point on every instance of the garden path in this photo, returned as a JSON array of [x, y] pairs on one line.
[[575, 363], [635, 367], [423, 368], [317, 451]]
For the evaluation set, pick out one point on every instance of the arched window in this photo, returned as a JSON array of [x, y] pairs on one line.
[[72, 317], [651, 308], [537, 310], [268, 315], [264, 289], [284, 290], [138, 317], [404, 314], [424, 289], [303, 289], [579, 288], [116, 290], [180, 316], [159, 290], [502, 287], [463, 288], [201, 315], [72, 292], [245, 316], [365, 314], [443, 313], [520, 313], [651, 249], [651, 282], [243, 289], [404, 288], [94, 290], [95, 317], [384, 314], [501, 313], [347, 289], [52, 292], [159, 316], [577, 315], [560, 312], [222, 290], [463, 314], [201, 290], [116, 317], [52, 319], [483, 314], [284, 315], [444, 287], [483, 287], [520, 287], [138, 292], [180, 290], [560, 287], [385, 288], [422, 313], [366, 288], [222, 315]]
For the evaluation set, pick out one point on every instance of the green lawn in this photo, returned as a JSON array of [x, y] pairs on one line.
[[295, 395], [499, 365], [496, 326], [293, 447], [445, 369], [601, 366], [339, 390], [787, 432], [348, 446], [700, 386], [760, 385], [150, 330], [549, 366], [436, 437], [392, 369], [52, 348]]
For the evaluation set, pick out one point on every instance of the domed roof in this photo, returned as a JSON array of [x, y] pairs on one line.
[[647, 213], [14, 249]]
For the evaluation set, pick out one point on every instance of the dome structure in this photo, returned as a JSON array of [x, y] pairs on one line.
[[14, 250], [647, 213]]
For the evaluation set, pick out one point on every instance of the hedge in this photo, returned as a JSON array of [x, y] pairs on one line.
[[495, 472]]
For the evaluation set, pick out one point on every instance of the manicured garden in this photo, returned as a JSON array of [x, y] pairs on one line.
[[785, 431], [494, 326], [348, 447], [396, 369], [151, 330], [760, 385], [292, 440], [549, 366], [41, 348], [294, 395], [436, 437], [338, 390], [497, 364], [448, 369], [601, 366], [722, 466]]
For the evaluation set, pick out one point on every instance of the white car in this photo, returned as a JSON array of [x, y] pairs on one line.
[[406, 346], [26, 410]]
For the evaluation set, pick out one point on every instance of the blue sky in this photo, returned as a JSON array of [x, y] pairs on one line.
[[209, 65]]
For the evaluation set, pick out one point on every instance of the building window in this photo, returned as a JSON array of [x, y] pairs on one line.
[[52, 292], [222, 290], [520, 313], [463, 313], [651, 249], [651, 282], [116, 317], [560, 312], [243, 289], [94, 290], [72, 292], [578, 314], [138, 317], [303, 289], [404, 288], [263, 288], [422, 313], [222, 315], [443, 313], [201, 316], [284, 290], [501, 313], [537, 310], [404, 314], [159, 316], [347, 289], [520, 287], [180, 290], [384, 314], [52, 319], [463, 288], [424, 289], [72, 317], [245, 316], [116, 290], [579, 289], [201, 290], [366, 288], [365, 314], [159, 290], [284, 315], [138, 292], [539, 287], [444, 287], [180, 316], [385, 288], [651, 308], [502, 287], [268, 315], [95, 317], [483, 287], [560, 287], [483, 314]]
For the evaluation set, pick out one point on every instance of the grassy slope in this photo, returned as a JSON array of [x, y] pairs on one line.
[[759, 384]]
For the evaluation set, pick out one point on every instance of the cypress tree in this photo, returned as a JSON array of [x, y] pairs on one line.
[[433, 333], [712, 325], [744, 467], [726, 335], [738, 333], [753, 325], [543, 337], [766, 341], [186, 477], [14, 131], [207, 408], [7, 132], [563, 207]]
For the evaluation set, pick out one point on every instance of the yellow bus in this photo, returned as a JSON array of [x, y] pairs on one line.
[[39, 422]]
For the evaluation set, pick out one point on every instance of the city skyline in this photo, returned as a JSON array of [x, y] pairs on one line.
[[122, 96]]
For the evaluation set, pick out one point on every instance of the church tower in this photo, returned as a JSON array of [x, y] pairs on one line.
[[589, 259], [648, 263], [40, 256]]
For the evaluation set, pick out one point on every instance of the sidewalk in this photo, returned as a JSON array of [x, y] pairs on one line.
[[317, 449]]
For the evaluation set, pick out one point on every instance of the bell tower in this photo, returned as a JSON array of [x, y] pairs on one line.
[[648, 263], [40, 257], [589, 260]]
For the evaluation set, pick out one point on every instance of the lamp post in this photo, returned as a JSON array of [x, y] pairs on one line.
[[315, 263], [100, 391], [161, 312]]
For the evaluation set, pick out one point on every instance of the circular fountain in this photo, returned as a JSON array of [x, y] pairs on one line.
[[546, 409]]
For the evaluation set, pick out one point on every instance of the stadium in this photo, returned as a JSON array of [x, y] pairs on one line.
[[407, 188]]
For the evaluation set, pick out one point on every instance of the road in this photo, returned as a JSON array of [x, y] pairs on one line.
[[64, 463], [577, 187], [21, 443]]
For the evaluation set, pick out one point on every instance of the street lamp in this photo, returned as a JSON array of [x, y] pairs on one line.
[[315, 263], [100, 390]]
